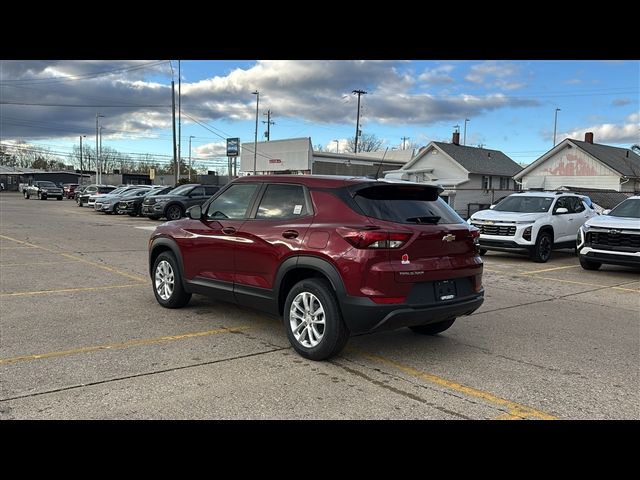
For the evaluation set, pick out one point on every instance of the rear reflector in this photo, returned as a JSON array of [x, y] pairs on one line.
[[388, 300]]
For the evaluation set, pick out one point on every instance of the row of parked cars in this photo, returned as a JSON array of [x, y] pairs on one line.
[[155, 202], [536, 223]]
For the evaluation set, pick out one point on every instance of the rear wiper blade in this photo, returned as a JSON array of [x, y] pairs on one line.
[[432, 220]]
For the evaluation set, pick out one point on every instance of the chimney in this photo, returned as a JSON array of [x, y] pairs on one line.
[[588, 137], [456, 138]]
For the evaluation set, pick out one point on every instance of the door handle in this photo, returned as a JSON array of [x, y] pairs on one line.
[[290, 234], [228, 230]]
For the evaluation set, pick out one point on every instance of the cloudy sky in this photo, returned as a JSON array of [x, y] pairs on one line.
[[510, 104]]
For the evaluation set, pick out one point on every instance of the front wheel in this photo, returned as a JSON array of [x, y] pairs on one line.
[[483, 252], [167, 284], [542, 249], [313, 320], [174, 212], [589, 264], [58, 198], [432, 328], [26, 195]]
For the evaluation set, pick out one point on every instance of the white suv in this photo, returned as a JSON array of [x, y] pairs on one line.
[[612, 238], [533, 223]]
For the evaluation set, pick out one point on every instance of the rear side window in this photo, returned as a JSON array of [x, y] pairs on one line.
[[105, 189], [208, 191], [406, 204], [282, 202]]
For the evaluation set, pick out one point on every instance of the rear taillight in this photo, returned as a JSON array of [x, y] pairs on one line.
[[475, 235], [477, 282], [388, 300], [374, 238]]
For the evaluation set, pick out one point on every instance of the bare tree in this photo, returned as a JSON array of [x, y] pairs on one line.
[[368, 142], [636, 148]]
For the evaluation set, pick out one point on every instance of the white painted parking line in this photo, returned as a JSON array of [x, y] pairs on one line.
[[151, 227]]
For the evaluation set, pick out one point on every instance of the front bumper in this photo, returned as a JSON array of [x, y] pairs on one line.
[[611, 257], [503, 245], [153, 210]]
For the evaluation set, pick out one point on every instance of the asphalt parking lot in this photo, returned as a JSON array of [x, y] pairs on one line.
[[82, 337]]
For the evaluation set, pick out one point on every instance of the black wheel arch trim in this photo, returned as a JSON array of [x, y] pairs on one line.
[[173, 246], [315, 263]]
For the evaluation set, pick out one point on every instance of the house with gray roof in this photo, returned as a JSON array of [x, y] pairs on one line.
[[473, 177], [585, 165]]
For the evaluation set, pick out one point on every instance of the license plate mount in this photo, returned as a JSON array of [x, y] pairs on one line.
[[445, 290]]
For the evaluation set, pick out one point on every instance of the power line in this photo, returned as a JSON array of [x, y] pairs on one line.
[[4, 102]]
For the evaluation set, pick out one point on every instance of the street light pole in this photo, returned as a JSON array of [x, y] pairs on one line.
[[190, 137], [555, 125], [464, 142], [255, 139], [337, 145], [359, 93], [101, 166], [97, 151], [81, 169]]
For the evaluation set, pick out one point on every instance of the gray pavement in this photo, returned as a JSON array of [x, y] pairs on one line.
[[82, 337]]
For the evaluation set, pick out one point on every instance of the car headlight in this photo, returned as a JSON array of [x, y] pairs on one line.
[[526, 234]]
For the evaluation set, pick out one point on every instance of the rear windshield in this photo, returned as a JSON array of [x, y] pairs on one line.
[[406, 204], [524, 204]]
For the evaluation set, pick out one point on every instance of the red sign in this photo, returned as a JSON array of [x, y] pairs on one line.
[[275, 160]]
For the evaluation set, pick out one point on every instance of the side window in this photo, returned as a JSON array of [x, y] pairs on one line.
[[233, 203], [282, 201], [564, 202], [578, 205], [208, 191], [197, 192]]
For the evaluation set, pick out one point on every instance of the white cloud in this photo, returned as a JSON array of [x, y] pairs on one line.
[[609, 132], [481, 72], [438, 75], [342, 145], [573, 81], [211, 150]]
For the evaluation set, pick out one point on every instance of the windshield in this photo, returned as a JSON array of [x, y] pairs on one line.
[[158, 191], [46, 184], [628, 208], [524, 204], [183, 190]]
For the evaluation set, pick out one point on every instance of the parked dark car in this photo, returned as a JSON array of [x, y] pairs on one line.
[[174, 205], [132, 205], [69, 190], [109, 203], [333, 256], [92, 189], [43, 190]]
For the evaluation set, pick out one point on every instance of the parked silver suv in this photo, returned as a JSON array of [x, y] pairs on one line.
[[612, 238], [533, 223]]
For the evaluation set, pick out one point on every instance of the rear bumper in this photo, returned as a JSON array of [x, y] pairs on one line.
[[362, 315]]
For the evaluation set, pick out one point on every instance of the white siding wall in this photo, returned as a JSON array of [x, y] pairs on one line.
[[444, 169], [572, 167]]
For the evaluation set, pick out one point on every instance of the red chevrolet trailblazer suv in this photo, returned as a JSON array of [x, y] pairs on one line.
[[333, 255]]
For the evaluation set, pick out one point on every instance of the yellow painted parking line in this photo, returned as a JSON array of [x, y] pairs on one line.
[[586, 284], [549, 269], [114, 346], [2, 265], [79, 259], [515, 410], [67, 290]]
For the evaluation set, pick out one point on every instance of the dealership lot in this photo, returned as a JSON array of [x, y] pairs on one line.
[[81, 336]]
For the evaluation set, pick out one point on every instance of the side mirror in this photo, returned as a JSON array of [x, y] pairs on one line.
[[561, 211], [491, 207], [194, 212], [606, 212]]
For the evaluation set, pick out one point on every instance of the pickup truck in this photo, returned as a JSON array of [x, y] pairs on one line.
[[42, 190]]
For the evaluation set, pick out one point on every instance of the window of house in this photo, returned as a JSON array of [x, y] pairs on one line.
[[486, 183], [504, 183]]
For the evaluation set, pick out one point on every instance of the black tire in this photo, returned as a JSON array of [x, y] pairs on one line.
[[541, 251], [483, 252], [174, 212], [432, 328], [26, 194], [177, 298], [79, 202], [132, 214], [58, 198], [589, 264], [334, 332], [153, 217]]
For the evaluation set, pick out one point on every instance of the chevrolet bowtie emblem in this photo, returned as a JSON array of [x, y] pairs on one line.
[[448, 238], [614, 232]]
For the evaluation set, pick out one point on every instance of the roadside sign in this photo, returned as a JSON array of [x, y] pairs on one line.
[[233, 147], [152, 173]]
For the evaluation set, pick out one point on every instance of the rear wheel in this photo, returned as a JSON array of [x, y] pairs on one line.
[[313, 320], [589, 264], [167, 284], [432, 328], [483, 252], [26, 195], [541, 251]]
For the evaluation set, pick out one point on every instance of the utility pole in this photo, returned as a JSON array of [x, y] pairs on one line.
[[173, 124], [97, 151], [101, 162], [81, 170], [464, 142], [255, 139], [359, 93], [179, 118], [190, 137], [555, 125], [403, 141], [269, 123]]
